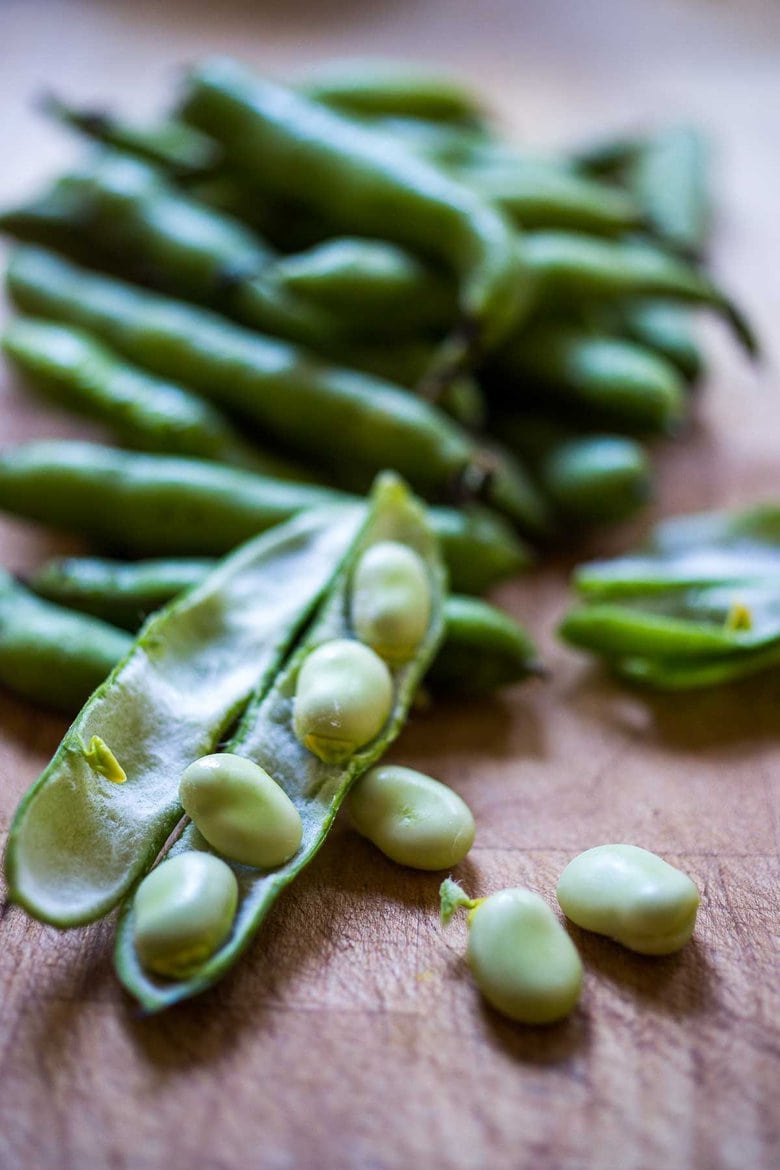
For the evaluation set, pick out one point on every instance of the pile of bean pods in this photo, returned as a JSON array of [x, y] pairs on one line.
[[697, 607], [270, 297], [312, 283]]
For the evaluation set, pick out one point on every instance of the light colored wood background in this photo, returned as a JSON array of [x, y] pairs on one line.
[[350, 1038]]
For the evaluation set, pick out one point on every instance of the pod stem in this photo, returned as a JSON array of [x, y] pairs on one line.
[[452, 359], [453, 898], [473, 481]]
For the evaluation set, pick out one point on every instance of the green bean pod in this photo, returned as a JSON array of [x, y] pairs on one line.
[[664, 328], [267, 736], [686, 552], [144, 412], [123, 215], [155, 505], [171, 143], [383, 284], [663, 674], [698, 606], [668, 178], [483, 649], [534, 191], [292, 146], [99, 814], [385, 88], [539, 194], [127, 207], [625, 630], [50, 655], [590, 478], [337, 417], [122, 593], [569, 268], [600, 380], [126, 217]]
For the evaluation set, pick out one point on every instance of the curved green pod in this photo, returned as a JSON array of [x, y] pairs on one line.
[[673, 674], [685, 552], [571, 268], [169, 142], [590, 478], [129, 209], [144, 412], [266, 736], [149, 503], [667, 329], [383, 285], [335, 416], [622, 630], [82, 835], [392, 89], [50, 655], [483, 649], [538, 194], [295, 147], [668, 177], [164, 505], [604, 381]]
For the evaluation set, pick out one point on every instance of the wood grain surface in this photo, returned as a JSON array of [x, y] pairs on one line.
[[350, 1038]]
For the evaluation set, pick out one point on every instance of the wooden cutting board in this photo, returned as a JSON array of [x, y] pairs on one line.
[[350, 1038]]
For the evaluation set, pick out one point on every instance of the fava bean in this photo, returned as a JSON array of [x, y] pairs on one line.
[[391, 600], [343, 698], [412, 818], [631, 895], [522, 959], [184, 911], [240, 810]]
